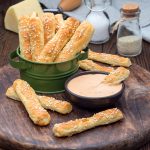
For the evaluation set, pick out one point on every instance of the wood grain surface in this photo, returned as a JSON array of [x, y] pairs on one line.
[[9, 42], [18, 132]]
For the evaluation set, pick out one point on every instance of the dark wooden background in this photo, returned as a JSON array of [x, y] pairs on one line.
[[9, 42]]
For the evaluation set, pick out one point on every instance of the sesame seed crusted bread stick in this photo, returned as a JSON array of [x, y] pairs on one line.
[[29, 99], [11, 93], [24, 38], [117, 76], [36, 33], [59, 21], [92, 66], [56, 44], [51, 103], [46, 102], [78, 42], [79, 125], [113, 60], [49, 23]]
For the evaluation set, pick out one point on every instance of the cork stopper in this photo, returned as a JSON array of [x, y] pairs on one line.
[[130, 8]]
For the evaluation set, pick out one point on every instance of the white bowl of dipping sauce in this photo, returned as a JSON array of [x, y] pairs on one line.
[[86, 90]]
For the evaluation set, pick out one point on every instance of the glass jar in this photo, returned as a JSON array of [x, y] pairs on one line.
[[129, 37], [99, 19]]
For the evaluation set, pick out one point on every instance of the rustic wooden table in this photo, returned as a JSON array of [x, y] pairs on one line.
[[9, 42]]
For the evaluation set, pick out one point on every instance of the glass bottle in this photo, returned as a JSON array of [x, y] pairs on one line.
[[98, 18], [129, 37]]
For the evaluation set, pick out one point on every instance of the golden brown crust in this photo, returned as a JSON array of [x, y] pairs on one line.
[[113, 60], [59, 21], [49, 24], [92, 66], [12, 94], [29, 99], [78, 42], [117, 76], [36, 36], [79, 125], [46, 102], [51, 103], [55, 45], [24, 38]]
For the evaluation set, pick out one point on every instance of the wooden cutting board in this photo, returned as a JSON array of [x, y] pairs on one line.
[[18, 132]]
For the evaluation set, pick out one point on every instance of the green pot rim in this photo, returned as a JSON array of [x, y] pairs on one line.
[[52, 63]]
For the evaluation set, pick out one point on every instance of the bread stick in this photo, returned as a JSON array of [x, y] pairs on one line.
[[49, 23], [29, 99], [79, 125], [59, 21], [36, 36], [113, 60], [55, 45], [46, 102], [51, 103], [117, 76], [78, 42], [11, 93], [24, 38], [91, 66]]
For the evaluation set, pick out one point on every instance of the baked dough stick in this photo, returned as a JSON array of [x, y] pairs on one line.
[[51, 103], [55, 45], [24, 38], [113, 60], [11, 93], [92, 66], [36, 36], [59, 21], [29, 99], [78, 42], [117, 76], [49, 23], [79, 125]]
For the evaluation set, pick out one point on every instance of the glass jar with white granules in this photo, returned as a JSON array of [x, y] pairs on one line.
[[129, 37], [99, 19]]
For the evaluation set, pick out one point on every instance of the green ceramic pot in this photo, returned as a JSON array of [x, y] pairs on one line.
[[46, 77]]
